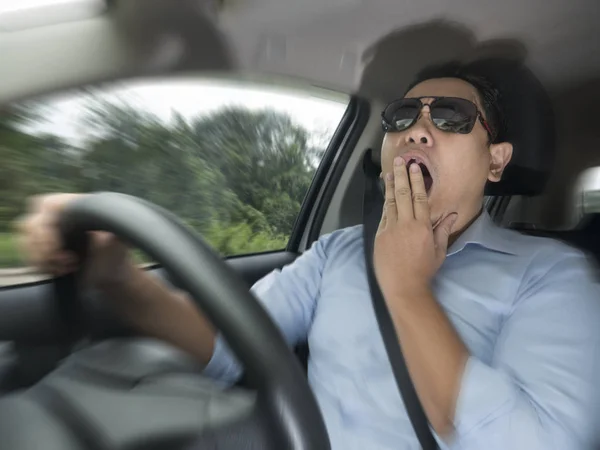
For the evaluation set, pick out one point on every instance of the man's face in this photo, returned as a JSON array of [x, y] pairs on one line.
[[459, 164]]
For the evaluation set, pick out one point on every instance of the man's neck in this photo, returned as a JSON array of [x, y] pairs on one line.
[[455, 235]]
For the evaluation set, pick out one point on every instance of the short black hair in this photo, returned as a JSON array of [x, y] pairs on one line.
[[489, 95]]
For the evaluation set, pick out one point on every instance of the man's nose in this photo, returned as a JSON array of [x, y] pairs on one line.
[[419, 133]]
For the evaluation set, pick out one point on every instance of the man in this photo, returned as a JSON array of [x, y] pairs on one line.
[[499, 330]]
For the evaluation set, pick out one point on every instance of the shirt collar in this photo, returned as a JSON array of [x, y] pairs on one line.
[[485, 233]]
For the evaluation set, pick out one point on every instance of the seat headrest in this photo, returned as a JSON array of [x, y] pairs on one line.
[[530, 126]]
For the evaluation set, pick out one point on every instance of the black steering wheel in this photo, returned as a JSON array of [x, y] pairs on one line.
[[135, 393]]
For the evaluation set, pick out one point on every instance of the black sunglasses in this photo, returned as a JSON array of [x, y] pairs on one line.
[[451, 114]]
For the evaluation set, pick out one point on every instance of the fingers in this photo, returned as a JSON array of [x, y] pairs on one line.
[[40, 245], [442, 233], [38, 236], [419, 194], [402, 191], [390, 210], [382, 223]]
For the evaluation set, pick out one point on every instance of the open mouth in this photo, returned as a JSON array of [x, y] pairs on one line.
[[426, 175]]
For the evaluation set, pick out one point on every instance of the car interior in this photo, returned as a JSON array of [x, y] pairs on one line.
[[73, 376]]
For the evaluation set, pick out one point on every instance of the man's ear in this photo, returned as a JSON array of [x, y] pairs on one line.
[[500, 155]]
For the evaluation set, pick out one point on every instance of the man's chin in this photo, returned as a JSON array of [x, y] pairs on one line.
[[434, 212], [435, 222], [437, 214]]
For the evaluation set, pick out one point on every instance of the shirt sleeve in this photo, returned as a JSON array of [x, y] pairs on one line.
[[289, 296], [540, 390]]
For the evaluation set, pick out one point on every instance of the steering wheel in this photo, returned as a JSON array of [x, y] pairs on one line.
[[135, 393]]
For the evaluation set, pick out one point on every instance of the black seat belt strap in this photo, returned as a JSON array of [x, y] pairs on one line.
[[372, 208]]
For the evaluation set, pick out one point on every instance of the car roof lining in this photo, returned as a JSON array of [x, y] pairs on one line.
[[327, 42]]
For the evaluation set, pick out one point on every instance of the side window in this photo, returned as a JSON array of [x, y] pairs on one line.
[[233, 160]]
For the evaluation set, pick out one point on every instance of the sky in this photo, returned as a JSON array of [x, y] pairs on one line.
[[317, 111]]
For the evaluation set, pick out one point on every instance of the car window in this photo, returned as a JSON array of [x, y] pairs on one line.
[[232, 159]]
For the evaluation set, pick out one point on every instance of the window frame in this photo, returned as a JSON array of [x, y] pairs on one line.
[[309, 223]]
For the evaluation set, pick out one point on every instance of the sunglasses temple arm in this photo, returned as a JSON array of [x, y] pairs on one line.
[[486, 126]]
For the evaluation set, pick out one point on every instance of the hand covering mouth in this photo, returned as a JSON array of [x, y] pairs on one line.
[[427, 178]]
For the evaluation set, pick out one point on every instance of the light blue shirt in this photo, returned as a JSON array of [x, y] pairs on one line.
[[527, 308]]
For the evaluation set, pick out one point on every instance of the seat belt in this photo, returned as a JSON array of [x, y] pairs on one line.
[[372, 209]]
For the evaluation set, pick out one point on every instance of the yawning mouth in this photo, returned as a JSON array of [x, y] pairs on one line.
[[426, 175]]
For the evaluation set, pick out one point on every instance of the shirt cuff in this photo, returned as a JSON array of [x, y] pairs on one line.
[[485, 394], [223, 365]]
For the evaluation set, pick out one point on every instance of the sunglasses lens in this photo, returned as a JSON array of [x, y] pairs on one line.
[[454, 115], [401, 115]]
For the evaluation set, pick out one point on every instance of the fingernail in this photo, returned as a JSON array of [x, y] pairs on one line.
[[414, 168], [389, 176], [398, 161]]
